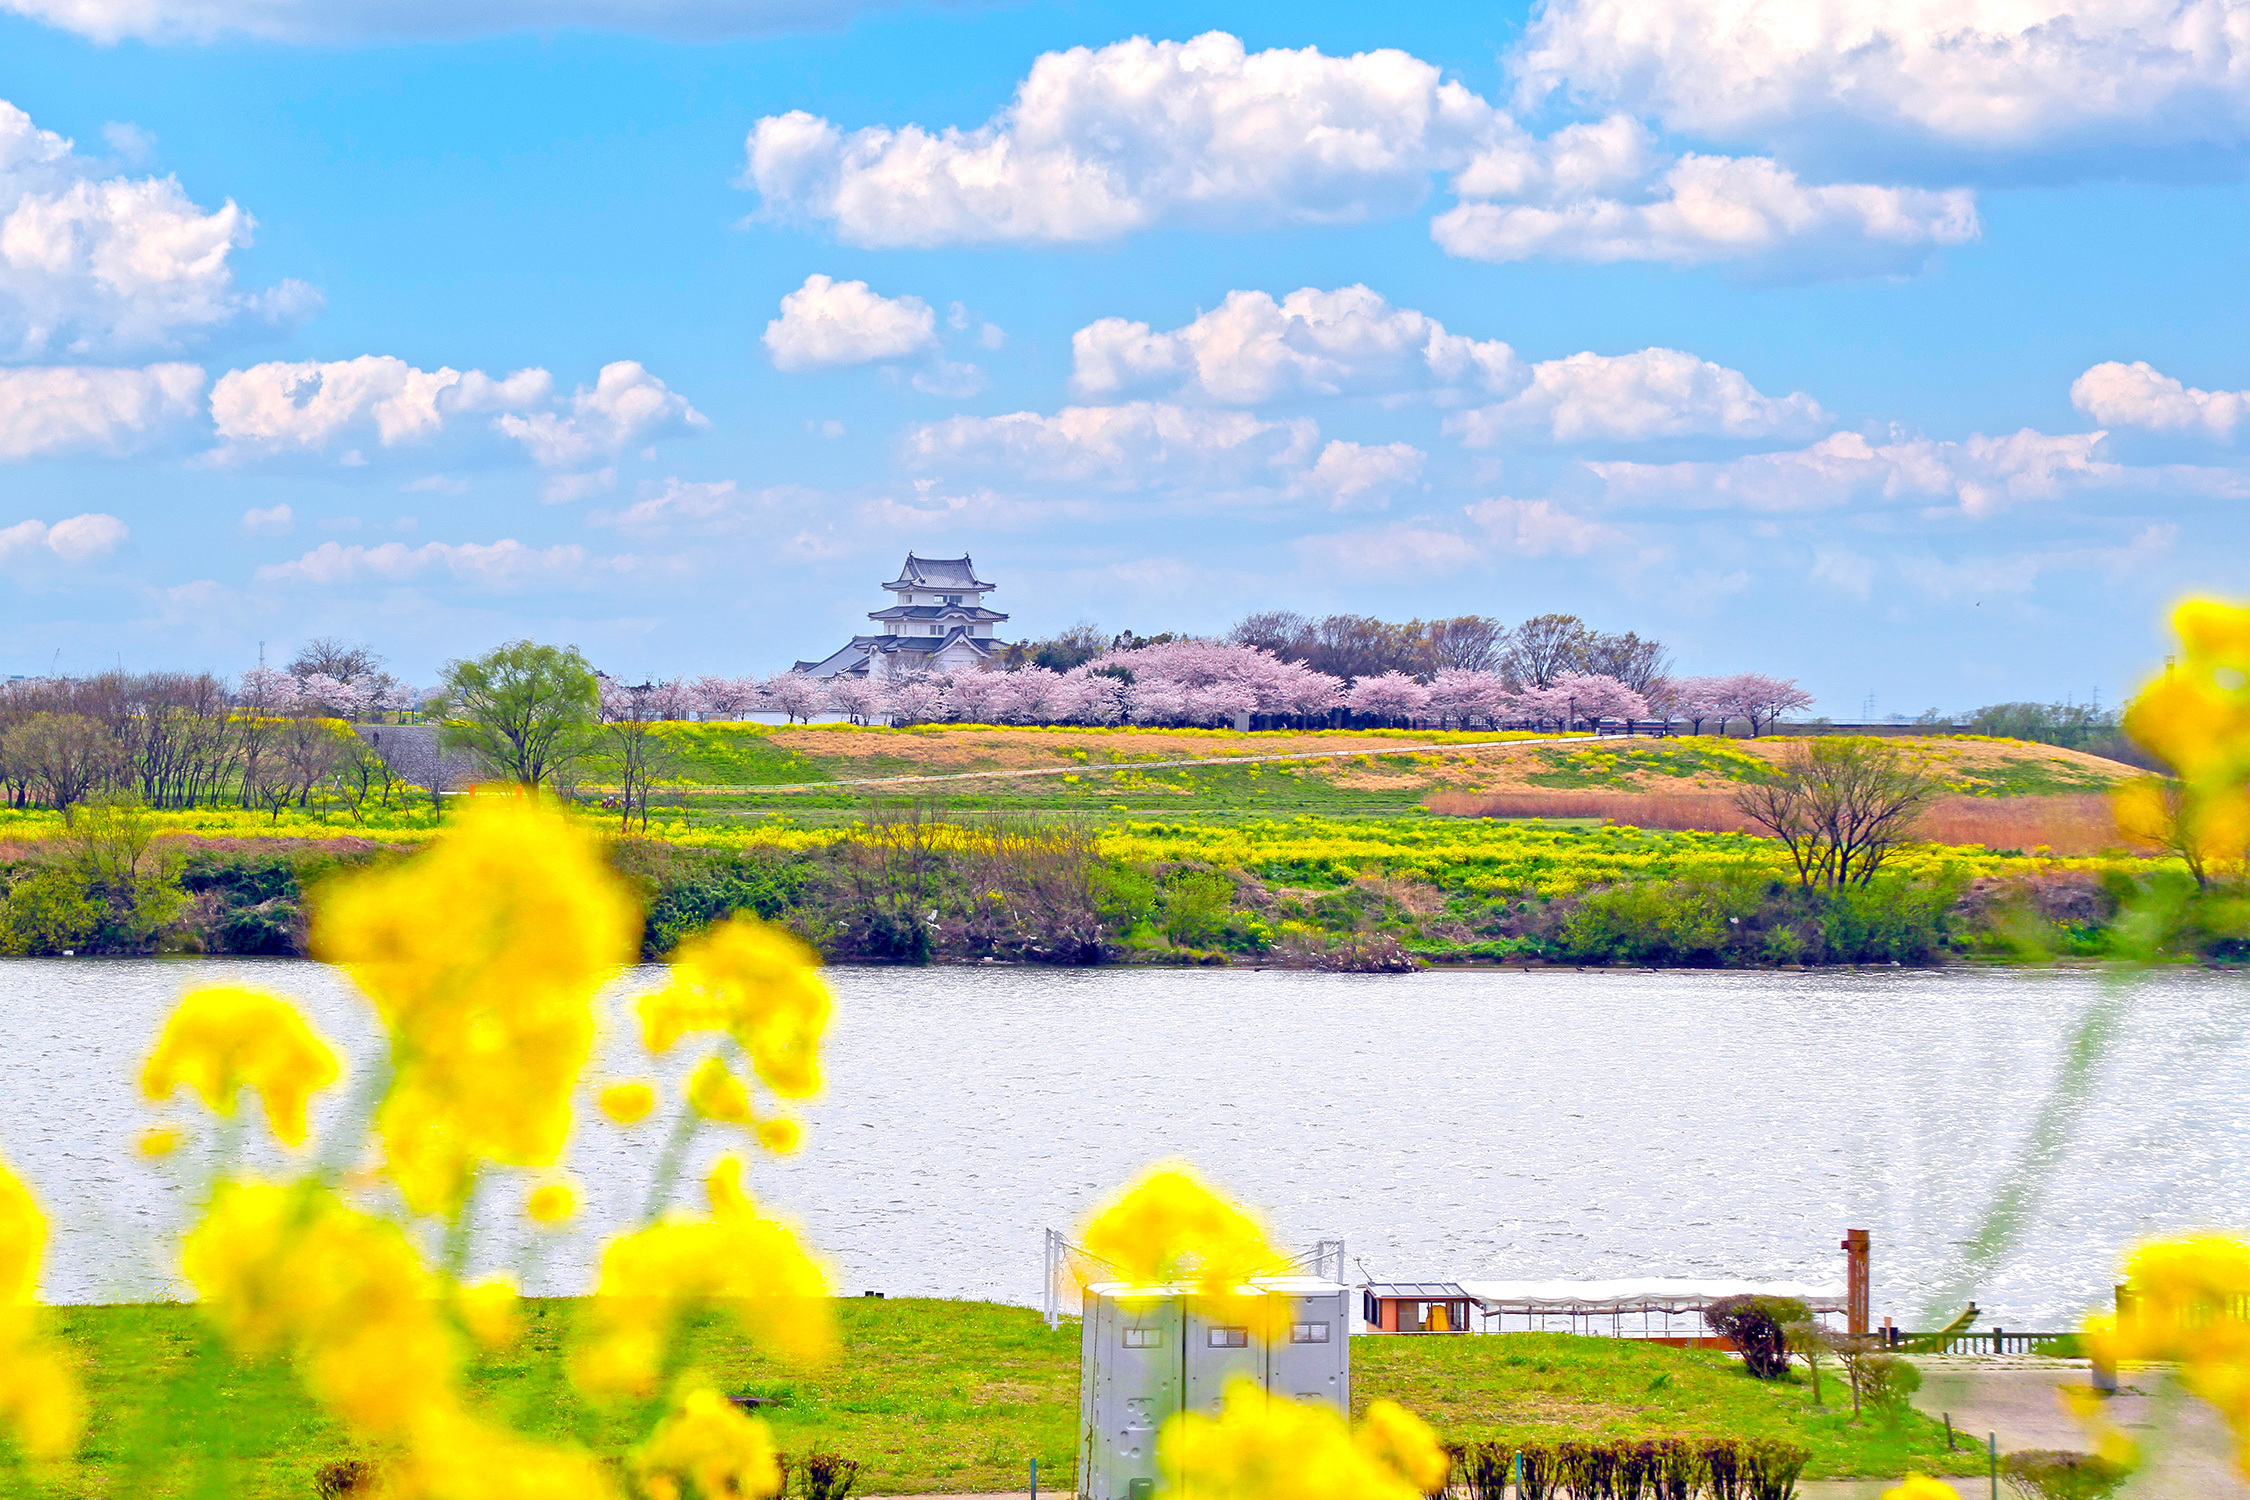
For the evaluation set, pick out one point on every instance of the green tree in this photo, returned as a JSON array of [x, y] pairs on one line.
[[528, 710]]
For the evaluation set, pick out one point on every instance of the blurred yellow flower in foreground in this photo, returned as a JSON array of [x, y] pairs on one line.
[[718, 1451], [716, 1094], [39, 1396], [291, 1269], [628, 1103], [491, 1311], [552, 1202], [759, 985], [780, 1136], [1261, 1448], [737, 1258], [1170, 1228], [2196, 717], [1922, 1487], [158, 1140], [483, 956], [223, 1039], [2189, 1301]]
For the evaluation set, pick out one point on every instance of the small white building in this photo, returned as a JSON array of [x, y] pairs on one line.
[[936, 622]]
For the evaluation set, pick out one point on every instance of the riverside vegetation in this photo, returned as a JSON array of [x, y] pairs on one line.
[[1641, 852]]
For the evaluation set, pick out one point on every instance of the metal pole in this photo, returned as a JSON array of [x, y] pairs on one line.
[[1035, 1479], [1992, 1443]]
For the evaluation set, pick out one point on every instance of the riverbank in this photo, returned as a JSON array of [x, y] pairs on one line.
[[943, 1397]]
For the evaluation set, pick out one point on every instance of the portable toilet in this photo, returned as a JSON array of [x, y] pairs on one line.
[[1148, 1353]]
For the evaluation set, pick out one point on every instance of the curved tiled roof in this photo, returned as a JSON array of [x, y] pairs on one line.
[[937, 573]]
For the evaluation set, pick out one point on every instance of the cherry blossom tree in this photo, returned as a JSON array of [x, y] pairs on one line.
[[1593, 698], [1463, 697], [1761, 699], [1393, 695], [1091, 697], [269, 691], [728, 697], [861, 699], [916, 699], [797, 696]]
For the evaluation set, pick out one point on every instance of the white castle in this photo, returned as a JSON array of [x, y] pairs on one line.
[[937, 622]]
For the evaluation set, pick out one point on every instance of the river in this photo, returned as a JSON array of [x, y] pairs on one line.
[[1446, 1124]]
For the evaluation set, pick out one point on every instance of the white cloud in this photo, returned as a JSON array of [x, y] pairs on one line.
[[1252, 349], [826, 323], [276, 520], [311, 406], [330, 21], [1098, 143], [957, 382], [1404, 551], [1138, 443], [1717, 208], [676, 502], [1540, 528], [500, 564], [92, 263], [59, 409], [1846, 571], [2134, 395], [1980, 474], [77, 539], [568, 489], [1655, 393], [1978, 78], [1354, 476]]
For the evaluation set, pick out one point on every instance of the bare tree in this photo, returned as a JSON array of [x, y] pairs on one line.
[[1544, 647], [329, 656], [1635, 662], [1283, 632], [1840, 806], [1470, 643], [64, 756], [632, 745]]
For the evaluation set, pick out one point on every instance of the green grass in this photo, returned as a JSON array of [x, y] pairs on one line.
[[1617, 765], [931, 1396]]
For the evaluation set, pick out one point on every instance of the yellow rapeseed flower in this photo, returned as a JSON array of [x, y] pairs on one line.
[[715, 1450], [628, 1103], [157, 1140], [716, 1094], [780, 1136], [39, 1396], [224, 1038], [552, 1202], [1259, 1448], [1922, 1487], [1169, 1227], [2196, 717], [759, 985], [2188, 1296], [483, 957], [736, 1258], [491, 1311]]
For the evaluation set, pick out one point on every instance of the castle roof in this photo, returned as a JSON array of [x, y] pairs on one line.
[[936, 612], [937, 573], [853, 659]]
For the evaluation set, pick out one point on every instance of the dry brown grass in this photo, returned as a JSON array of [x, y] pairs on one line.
[[2064, 825]]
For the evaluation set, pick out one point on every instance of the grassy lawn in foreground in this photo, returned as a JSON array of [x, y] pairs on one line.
[[931, 1396]]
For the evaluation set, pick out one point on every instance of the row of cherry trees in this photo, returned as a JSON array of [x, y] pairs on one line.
[[1214, 683]]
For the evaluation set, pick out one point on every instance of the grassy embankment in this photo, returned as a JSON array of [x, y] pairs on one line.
[[942, 1397]]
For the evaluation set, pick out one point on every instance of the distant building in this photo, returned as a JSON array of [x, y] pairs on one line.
[[936, 622]]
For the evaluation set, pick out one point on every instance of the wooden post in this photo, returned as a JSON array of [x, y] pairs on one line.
[[1855, 1282]]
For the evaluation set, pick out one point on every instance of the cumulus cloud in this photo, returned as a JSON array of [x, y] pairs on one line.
[[1251, 349], [76, 539], [1402, 551], [1980, 474], [313, 406], [1355, 476], [1979, 79], [826, 323], [503, 564], [2135, 395], [274, 520], [1631, 398], [68, 409], [92, 263], [1701, 209], [1540, 528], [1138, 443], [331, 21], [1101, 142]]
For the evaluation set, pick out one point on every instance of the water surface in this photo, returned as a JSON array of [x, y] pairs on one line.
[[1445, 1124]]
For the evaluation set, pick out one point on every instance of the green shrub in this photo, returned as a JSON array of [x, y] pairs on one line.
[[1890, 920], [2058, 1474], [51, 911], [1755, 1325], [1196, 906]]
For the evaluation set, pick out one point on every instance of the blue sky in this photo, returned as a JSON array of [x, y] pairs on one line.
[[1897, 348]]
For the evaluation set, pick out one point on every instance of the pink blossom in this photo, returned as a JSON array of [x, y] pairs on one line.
[[916, 700], [1394, 695], [863, 699], [797, 696], [1593, 698]]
